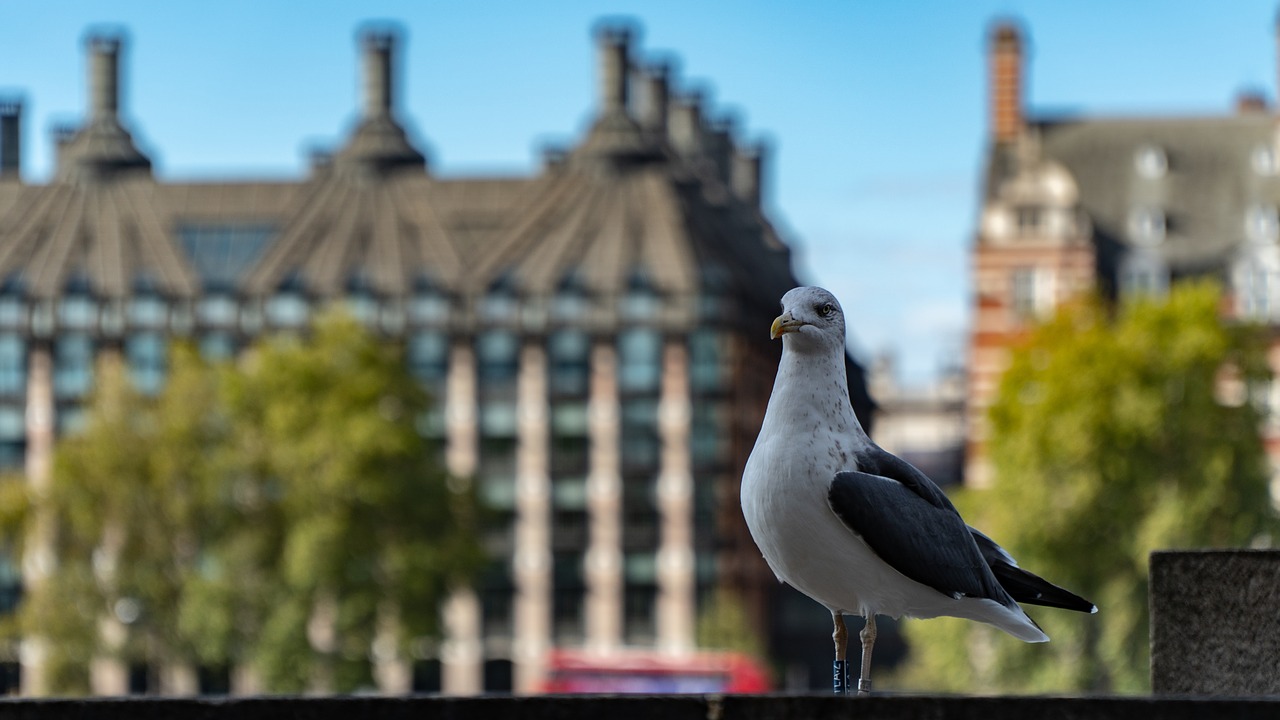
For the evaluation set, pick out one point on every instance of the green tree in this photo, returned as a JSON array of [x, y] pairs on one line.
[[1115, 432], [282, 515], [362, 534]]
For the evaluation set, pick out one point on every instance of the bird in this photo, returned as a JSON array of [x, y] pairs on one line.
[[856, 528]]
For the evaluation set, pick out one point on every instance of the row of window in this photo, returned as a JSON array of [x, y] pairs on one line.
[[1152, 162]]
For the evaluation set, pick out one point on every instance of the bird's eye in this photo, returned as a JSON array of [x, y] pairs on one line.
[[826, 309]]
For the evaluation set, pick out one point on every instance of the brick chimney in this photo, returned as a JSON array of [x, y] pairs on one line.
[[1006, 82], [614, 44], [378, 45], [10, 138]]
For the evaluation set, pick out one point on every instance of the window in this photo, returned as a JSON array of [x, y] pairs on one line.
[[569, 587], [428, 308], [639, 360], [498, 355], [217, 311], [147, 311], [287, 309], [569, 352], [78, 312], [13, 365], [364, 307], [1143, 274], [72, 365], [1024, 293], [1147, 225], [13, 312], [1263, 160], [222, 253], [707, 369], [1029, 219], [145, 353], [428, 355], [1151, 162], [217, 346], [1262, 225]]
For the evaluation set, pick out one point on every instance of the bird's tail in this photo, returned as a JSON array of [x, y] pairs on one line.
[[1023, 586]]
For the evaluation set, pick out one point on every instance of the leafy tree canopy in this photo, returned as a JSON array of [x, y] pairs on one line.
[[1115, 432], [283, 514]]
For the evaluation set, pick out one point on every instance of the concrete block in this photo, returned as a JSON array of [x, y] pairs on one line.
[[1215, 622]]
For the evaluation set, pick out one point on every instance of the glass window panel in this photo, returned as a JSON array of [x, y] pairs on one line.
[[13, 312], [145, 354], [569, 419], [286, 310], [707, 371], [498, 355], [222, 253], [147, 311], [569, 493], [364, 308], [78, 312], [13, 365], [428, 356], [218, 346], [429, 308], [12, 423], [12, 457], [217, 310], [639, 362], [72, 365], [498, 419]]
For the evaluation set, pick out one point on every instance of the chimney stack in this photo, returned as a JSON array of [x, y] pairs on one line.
[[10, 138], [104, 75], [1250, 101], [378, 46], [747, 160], [684, 129], [614, 48], [656, 98], [1006, 83]]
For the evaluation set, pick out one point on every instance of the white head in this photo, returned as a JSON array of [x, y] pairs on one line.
[[811, 321]]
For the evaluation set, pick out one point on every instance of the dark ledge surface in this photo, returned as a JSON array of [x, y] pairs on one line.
[[662, 707]]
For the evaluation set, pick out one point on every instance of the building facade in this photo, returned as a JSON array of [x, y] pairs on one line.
[[1121, 205], [595, 336]]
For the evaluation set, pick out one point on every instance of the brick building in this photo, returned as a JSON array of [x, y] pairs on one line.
[[1126, 205]]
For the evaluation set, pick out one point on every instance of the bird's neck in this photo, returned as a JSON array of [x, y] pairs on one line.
[[811, 387]]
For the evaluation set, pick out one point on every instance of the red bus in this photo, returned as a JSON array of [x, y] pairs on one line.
[[648, 671]]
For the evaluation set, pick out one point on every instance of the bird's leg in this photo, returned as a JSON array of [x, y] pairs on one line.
[[839, 669], [868, 636]]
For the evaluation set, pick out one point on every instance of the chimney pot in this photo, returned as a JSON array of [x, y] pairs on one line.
[[1250, 101]]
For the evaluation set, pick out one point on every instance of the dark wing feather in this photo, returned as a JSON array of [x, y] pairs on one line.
[[926, 542], [1023, 586]]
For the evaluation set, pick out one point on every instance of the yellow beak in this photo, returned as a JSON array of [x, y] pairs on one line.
[[784, 324]]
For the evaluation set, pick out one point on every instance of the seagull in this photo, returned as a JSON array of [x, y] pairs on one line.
[[853, 526]]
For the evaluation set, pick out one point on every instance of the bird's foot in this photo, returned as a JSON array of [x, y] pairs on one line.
[[864, 687]]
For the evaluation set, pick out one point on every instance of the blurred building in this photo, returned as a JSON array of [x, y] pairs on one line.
[[595, 335], [1127, 205], [923, 425]]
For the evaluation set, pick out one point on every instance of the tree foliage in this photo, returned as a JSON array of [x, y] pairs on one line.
[[1115, 432], [283, 514]]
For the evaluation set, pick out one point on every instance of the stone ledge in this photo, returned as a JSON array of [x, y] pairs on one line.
[[664, 707]]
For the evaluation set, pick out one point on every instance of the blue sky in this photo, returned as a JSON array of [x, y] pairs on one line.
[[876, 111]]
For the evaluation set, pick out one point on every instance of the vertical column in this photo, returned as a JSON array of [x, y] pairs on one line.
[[676, 580], [38, 558], [533, 528], [461, 656], [604, 505]]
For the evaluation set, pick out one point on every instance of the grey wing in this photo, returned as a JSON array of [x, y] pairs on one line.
[[924, 541]]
